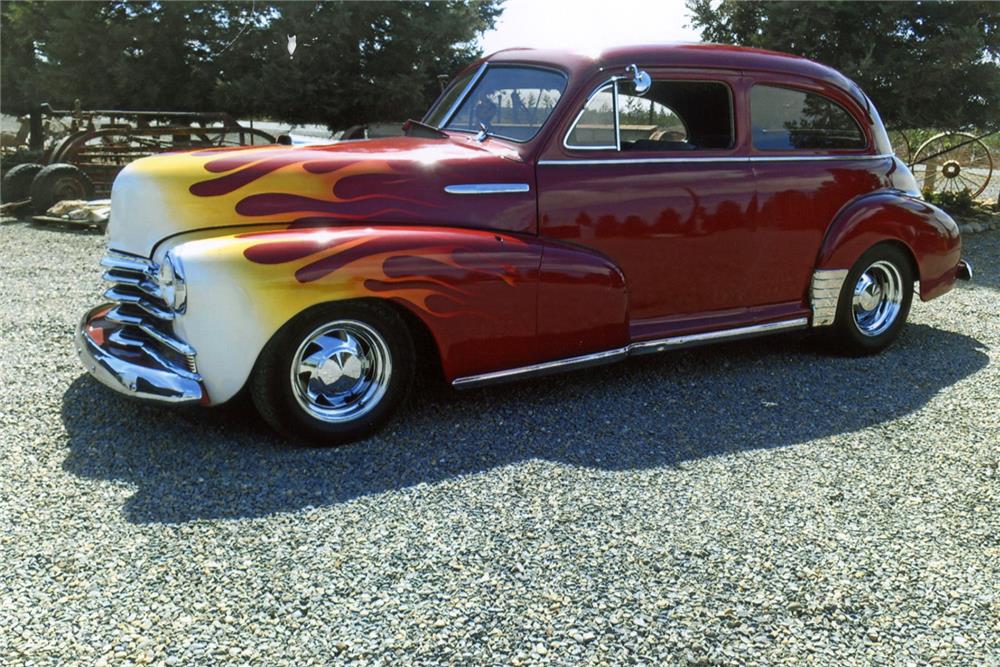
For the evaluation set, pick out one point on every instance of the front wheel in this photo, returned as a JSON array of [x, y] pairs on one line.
[[874, 301], [336, 373]]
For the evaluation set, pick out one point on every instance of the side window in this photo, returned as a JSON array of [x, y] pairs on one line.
[[595, 126], [676, 116], [786, 119], [670, 116]]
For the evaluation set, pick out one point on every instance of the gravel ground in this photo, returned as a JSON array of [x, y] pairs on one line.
[[751, 503]]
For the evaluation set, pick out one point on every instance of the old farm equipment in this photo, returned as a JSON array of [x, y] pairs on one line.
[[952, 162], [83, 163]]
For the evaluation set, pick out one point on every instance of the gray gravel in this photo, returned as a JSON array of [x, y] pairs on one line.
[[752, 503]]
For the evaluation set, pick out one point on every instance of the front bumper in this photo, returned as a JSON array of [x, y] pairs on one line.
[[133, 366]]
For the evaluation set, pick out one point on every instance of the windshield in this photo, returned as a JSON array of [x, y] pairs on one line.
[[512, 102]]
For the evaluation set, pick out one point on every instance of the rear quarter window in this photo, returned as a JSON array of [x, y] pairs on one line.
[[787, 119]]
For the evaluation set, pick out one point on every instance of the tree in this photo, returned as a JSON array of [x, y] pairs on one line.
[[355, 61], [925, 64]]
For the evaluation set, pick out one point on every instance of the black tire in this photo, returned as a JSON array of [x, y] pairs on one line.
[[58, 182], [278, 401], [16, 184], [848, 332]]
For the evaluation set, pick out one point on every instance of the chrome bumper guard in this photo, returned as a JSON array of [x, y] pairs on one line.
[[132, 366], [964, 271]]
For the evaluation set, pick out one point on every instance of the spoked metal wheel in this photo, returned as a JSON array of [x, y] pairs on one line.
[[878, 295], [954, 161], [341, 371]]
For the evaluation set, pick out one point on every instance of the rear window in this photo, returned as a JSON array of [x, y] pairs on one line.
[[786, 119]]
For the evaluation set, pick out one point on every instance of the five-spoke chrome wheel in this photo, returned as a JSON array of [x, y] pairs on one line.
[[878, 294], [341, 371]]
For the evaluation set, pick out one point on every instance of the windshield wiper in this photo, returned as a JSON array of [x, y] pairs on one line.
[[416, 128]]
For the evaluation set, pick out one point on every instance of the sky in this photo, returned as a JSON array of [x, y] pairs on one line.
[[588, 25]]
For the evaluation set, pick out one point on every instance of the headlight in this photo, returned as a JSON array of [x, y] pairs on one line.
[[170, 280]]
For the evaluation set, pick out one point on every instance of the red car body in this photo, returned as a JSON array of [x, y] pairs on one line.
[[517, 257]]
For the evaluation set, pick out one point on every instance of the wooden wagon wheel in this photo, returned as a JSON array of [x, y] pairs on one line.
[[901, 145], [955, 161]]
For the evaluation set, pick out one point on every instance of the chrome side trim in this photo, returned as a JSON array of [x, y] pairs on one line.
[[824, 295], [582, 361], [486, 188], [618, 353], [688, 160], [461, 97], [724, 334]]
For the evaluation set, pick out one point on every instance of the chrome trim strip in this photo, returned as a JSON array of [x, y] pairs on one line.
[[118, 260], [723, 334], [167, 384], [816, 158], [136, 300], [486, 188], [179, 346], [461, 98], [540, 369], [145, 286], [824, 295], [687, 160], [615, 354]]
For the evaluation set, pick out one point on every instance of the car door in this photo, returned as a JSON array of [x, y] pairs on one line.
[[660, 184]]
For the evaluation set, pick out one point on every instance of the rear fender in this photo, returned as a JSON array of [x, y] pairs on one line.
[[928, 233]]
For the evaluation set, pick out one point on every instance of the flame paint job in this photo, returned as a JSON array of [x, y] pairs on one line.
[[384, 181], [591, 258]]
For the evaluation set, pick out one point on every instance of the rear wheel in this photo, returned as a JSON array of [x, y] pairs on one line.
[[336, 373], [874, 301], [59, 182]]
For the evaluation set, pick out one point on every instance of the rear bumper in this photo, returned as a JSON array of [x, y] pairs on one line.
[[136, 369], [964, 270]]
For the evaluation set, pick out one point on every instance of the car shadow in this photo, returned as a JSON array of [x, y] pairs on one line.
[[659, 410]]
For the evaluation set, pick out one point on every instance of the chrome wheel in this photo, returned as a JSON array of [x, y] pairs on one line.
[[341, 371], [877, 300]]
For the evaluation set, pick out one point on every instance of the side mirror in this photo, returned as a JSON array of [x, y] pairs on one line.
[[640, 79]]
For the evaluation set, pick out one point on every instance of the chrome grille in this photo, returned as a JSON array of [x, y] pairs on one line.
[[145, 318]]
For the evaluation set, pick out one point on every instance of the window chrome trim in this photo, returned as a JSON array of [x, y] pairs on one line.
[[641, 347], [687, 160], [613, 84], [461, 97], [486, 188]]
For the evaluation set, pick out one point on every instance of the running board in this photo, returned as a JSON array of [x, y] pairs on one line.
[[619, 353]]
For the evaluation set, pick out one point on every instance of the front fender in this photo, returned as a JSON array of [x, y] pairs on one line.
[[476, 291], [929, 233]]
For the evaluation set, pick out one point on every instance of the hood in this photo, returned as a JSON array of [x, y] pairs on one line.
[[382, 181]]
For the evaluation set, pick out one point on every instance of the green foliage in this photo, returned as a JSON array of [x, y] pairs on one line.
[[956, 203], [925, 64], [354, 62]]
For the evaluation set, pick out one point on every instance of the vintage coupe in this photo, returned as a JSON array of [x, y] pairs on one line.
[[551, 211]]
